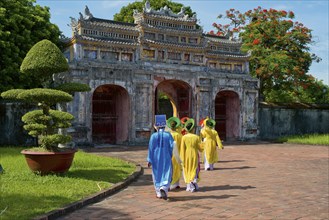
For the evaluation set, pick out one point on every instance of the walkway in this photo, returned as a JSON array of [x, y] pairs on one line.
[[260, 181]]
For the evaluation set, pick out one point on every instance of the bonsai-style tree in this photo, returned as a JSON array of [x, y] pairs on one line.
[[42, 62]]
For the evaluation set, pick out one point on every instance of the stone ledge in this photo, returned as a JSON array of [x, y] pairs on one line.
[[92, 198]]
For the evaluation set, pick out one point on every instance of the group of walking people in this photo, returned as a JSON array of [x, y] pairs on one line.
[[175, 150]]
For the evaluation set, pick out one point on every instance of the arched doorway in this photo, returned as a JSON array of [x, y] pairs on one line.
[[173, 98], [227, 111], [110, 115]]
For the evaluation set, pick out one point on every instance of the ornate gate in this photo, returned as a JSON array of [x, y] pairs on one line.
[[104, 116], [183, 103], [227, 111], [220, 116]]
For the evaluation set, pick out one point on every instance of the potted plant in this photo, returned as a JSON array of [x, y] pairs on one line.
[[43, 62]]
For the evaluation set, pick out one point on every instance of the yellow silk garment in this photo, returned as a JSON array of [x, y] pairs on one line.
[[176, 166], [191, 144], [211, 140], [202, 153]]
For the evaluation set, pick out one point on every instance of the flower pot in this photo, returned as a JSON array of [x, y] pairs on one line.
[[49, 162]]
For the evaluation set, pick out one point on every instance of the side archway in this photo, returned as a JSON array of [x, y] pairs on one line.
[[227, 114], [110, 114]]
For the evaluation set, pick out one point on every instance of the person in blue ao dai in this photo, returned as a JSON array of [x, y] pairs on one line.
[[159, 157]]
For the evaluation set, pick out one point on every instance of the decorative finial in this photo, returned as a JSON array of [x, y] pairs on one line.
[[87, 13], [147, 6]]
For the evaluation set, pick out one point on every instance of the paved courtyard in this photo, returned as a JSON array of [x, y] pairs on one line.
[[257, 181]]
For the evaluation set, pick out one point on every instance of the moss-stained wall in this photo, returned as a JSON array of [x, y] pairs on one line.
[[11, 125], [281, 121]]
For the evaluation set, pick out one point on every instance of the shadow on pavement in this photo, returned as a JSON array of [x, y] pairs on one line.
[[230, 161], [224, 187], [99, 213], [195, 197], [234, 168]]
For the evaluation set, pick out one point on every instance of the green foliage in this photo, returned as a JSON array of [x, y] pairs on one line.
[[44, 96], [58, 119], [50, 142], [313, 139], [43, 60], [280, 52], [22, 190], [126, 12], [12, 94], [38, 123], [23, 23], [73, 87]]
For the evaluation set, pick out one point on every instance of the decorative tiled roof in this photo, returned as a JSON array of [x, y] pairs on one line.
[[220, 39], [112, 24], [164, 16], [172, 44], [168, 29], [228, 54], [107, 40], [165, 12]]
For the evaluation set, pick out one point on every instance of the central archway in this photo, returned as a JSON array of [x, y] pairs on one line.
[[110, 115], [173, 98]]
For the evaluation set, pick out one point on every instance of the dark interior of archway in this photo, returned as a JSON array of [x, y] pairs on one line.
[[104, 117], [164, 105], [221, 113]]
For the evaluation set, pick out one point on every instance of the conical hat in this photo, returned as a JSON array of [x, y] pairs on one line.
[[211, 123], [202, 121], [190, 121], [173, 119], [184, 119]]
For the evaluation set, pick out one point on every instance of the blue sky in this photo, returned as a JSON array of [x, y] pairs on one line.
[[312, 13]]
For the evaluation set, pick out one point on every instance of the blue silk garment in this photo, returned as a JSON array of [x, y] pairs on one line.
[[159, 155]]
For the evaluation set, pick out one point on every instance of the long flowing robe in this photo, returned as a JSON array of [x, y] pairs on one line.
[[211, 140], [176, 164], [190, 147], [159, 155]]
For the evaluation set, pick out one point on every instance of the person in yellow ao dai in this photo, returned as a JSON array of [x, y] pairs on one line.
[[190, 148], [174, 123], [210, 143]]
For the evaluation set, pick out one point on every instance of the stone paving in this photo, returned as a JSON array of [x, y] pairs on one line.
[[258, 181]]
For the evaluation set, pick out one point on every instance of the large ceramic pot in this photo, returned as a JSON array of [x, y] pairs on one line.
[[49, 162]]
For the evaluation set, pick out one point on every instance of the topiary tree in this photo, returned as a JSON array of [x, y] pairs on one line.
[[44, 123], [42, 63]]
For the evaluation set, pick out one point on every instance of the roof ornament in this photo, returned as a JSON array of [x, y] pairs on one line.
[[74, 25], [147, 7], [81, 16], [182, 12], [166, 11], [88, 15]]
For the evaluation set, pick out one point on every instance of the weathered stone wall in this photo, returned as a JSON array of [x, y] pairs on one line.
[[140, 80], [11, 125], [275, 122]]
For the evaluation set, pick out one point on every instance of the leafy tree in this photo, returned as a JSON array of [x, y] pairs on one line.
[[280, 49], [42, 61], [126, 12], [23, 23]]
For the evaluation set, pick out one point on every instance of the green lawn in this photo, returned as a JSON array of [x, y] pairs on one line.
[[313, 139], [24, 195]]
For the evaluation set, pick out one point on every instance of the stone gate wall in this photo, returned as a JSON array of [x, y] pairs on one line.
[[275, 122]]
